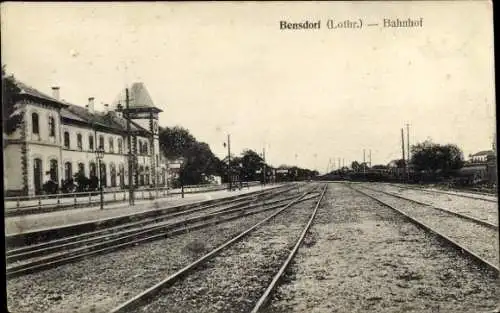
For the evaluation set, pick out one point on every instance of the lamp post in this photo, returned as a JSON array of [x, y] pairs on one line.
[[100, 154]]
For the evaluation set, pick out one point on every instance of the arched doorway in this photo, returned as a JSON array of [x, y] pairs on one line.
[[37, 175]]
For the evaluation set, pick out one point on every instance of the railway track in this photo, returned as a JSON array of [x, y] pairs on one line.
[[475, 239], [477, 220], [136, 304], [478, 196], [51, 254]]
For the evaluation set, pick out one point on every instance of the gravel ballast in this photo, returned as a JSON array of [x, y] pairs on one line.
[[485, 210], [478, 238], [235, 279], [99, 283], [367, 258]]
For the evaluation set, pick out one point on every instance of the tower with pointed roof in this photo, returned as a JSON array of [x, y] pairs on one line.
[[144, 113]]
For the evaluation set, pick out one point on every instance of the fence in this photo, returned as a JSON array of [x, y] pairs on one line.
[[51, 202]]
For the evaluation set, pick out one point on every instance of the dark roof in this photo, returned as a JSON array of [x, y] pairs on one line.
[[109, 120], [69, 111], [139, 98], [32, 92], [485, 152]]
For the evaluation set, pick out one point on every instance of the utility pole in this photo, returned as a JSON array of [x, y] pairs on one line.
[[229, 162], [364, 162], [403, 150], [408, 150], [370, 157], [264, 165], [130, 156]]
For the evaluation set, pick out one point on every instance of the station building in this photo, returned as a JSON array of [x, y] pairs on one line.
[[57, 139]]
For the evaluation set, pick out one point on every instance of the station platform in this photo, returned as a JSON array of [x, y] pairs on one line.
[[35, 222]]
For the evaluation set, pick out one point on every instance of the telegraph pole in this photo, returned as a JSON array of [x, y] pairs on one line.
[[130, 156], [408, 141], [264, 165], [370, 157], [403, 150], [364, 162], [229, 162], [408, 150]]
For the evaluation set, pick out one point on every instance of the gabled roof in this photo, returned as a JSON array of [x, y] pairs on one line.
[[32, 92], [139, 98]]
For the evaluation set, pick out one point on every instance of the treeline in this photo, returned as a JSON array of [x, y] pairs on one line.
[[430, 162], [199, 162]]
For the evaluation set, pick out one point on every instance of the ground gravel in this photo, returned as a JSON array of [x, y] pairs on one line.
[[99, 283], [235, 279], [365, 258], [477, 238], [485, 210]]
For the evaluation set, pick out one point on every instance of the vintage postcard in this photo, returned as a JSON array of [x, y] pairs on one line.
[[250, 157]]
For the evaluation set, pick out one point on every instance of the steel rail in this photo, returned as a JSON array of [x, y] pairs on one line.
[[478, 259], [461, 215], [66, 242], [447, 193], [169, 233], [152, 291], [265, 297], [124, 241]]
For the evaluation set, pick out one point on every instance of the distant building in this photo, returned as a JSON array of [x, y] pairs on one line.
[[481, 156], [58, 139]]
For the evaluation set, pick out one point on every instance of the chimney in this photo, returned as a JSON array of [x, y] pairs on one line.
[[55, 92], [106, 108], [90, 106]]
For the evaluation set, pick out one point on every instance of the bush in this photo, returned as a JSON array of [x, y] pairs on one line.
[[68, 186], [93, 183], [82, 182], [50, 187]]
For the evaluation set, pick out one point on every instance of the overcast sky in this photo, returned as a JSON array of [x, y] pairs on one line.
[[307, 96]]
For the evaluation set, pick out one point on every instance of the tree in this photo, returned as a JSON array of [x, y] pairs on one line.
[[431, 157], [251, 162], [13, 117], [199, 161], [355, 166], [175, 141]]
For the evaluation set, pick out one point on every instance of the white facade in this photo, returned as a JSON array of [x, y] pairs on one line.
[[56, 140]]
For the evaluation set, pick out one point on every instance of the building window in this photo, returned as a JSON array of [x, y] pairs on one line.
[[145, 148], [112, 174], [66, 140], [120, 146], [147, 176], [91, 143], [81, 169], [101, 142], [141, 175], [52, 127], [121, 172], [103, 174], [34, 123], [79, 141], [92, 170], [53, 171], [111, 145], [68, 172]]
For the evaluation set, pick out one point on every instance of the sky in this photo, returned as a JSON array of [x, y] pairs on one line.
[[307, 97]]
